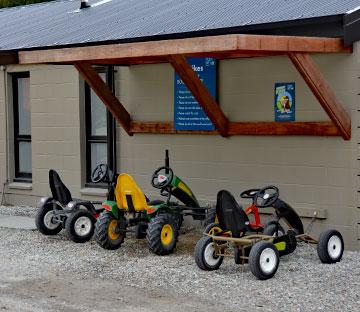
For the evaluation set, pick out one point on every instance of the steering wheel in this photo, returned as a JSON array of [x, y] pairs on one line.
[[249, 193], [161, 180], [266, 197], [99, 173]]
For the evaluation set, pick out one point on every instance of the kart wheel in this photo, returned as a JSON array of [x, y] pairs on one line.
[[263, 260], [140, 230], [205, 257], [210, 217], [330, 247], [212, 229], [109, 231], [80, 226], [237, 255], [271, 227], [162, 234], [45, 220]]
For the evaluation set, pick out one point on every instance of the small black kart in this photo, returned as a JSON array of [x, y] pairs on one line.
[[261, 251], [61, 211]]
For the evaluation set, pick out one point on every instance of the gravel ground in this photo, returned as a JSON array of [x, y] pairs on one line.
[[302, 283]]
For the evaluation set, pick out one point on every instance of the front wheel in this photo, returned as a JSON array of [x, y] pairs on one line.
[[273, 229], [263, 260], [330, 247], [162, 234], [46, 221], [80, 226], [205, 256], [109, 231]]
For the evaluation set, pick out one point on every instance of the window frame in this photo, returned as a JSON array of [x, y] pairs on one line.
[[18, 138], [109, 139]]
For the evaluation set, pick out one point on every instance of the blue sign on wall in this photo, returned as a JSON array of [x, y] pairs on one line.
[[188, 114], [285, 101]]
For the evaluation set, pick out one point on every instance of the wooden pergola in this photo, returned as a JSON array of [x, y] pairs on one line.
[[298, 49]]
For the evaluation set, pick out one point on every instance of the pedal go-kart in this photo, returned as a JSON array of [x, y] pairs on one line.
[[272, 227], [262, 252], [159, 221], [61, 211]]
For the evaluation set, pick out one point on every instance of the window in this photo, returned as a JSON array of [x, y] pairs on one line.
[[100, 129], [22, 126]]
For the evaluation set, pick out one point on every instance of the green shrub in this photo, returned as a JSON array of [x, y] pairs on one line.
[[12, 3]]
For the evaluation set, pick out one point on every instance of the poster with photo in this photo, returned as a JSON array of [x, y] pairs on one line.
[[285, 101]]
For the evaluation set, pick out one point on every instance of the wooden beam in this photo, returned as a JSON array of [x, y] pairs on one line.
[[200, 46], [93, 79], [322, 91], [246, 128], [9, 58], [200, 93]]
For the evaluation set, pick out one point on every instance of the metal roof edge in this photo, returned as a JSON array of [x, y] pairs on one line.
[[352, 26], [260, 29]]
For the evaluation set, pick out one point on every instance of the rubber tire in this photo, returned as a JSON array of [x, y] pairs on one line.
[[101, 232], [140, 230], [210, 217], [70, 226], [39, 221], [199, 255], [322, 246], [210, 227], [270, 229], [254, 260], [237, 255], [153, 234]]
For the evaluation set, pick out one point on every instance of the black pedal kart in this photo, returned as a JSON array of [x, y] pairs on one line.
[[262, 252], [62, 211]]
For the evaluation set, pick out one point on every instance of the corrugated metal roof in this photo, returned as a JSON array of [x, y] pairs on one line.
[[61, 22]]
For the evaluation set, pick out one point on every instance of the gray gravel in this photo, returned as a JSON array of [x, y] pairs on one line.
[[302, 283]]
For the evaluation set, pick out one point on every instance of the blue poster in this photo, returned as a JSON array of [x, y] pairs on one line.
[[285, 101], [188, 114]]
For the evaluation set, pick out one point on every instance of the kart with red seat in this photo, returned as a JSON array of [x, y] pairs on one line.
[[61, 211], [262, 252]]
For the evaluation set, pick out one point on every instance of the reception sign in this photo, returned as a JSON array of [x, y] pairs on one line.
[[285, 101], [188, 114]]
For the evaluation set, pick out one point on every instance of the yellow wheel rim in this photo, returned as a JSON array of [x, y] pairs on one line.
[[112, 230], [167, 234], [214, 230]]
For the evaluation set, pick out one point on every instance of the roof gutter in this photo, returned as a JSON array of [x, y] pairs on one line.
[[9, 57], [352, 27]]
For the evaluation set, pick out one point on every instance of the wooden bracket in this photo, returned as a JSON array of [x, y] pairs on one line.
[[322, 91], [245, 128], [93, 79], [201, 93]]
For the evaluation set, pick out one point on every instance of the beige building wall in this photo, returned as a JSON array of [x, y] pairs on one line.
[[55, 126], [313, 173]]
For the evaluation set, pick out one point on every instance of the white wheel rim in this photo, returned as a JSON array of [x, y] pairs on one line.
[[82, 226], [48, 220], [334, 247], [268, 260], [209, 255]]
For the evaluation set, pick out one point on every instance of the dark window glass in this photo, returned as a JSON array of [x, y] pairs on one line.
[[22, 126], [100, 130]]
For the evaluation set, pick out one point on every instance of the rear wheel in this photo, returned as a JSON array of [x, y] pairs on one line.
[[205, 256], [140, 230], [109, 231], [80, 226], [263, 260], [212, 229], [46, 221], [162, 234], [330, 247]]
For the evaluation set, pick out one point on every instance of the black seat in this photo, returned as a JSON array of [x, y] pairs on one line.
[[231, 216], [58, 189]]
